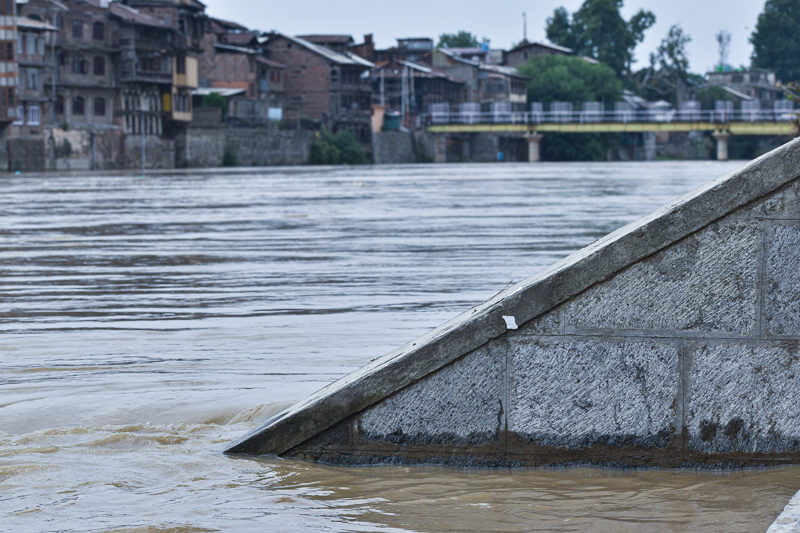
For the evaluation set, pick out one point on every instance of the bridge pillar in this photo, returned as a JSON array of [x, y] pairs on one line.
[[440, 148], [533, 147], [722, 144]]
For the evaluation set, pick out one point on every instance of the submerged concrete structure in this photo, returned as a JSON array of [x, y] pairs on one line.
[[672, 341]]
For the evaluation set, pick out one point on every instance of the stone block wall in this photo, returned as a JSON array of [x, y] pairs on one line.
[[205, 147], [673, 341], [690, 356]]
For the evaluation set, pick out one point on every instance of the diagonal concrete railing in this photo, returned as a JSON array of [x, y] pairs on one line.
[[672, 340]]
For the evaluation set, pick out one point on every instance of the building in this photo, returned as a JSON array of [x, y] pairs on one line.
[[757, 84], [525, 51], [168, 36], [415, 49], [486, 84], [410, 89], [323, 86], [232, 60], [36, 58], [337, 43]]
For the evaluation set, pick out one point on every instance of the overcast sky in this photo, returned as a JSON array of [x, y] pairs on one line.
[[500, 20]]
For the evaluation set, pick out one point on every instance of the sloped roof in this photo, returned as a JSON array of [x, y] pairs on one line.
[[542, 44], [327, 53], [269, 62], [321, 38], [136, 17], [32, 24]]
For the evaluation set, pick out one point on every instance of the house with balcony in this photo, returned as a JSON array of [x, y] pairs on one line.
[[36, 58], [147, 67]]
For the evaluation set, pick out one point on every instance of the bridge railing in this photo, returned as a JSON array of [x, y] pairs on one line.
[[565, 116]]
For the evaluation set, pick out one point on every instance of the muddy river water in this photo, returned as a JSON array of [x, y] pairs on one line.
[[145, 322]]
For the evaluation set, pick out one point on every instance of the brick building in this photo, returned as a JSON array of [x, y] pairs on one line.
[[232, 59], [322, 85]]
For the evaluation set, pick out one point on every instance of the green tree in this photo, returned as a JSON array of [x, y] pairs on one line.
[[215, 100], [776, 39], [572, 79], [462, 39], [597, 30], [340, 148], [569, 79], [668, 76]]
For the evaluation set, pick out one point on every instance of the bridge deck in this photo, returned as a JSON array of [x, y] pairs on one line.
[[736, 128]]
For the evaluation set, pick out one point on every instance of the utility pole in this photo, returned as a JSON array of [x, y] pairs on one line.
[[524, 26]]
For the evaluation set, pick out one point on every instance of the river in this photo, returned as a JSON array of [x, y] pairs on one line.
[[147, 321]]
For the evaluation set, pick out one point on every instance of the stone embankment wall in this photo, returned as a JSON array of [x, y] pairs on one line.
[[204, 147], [672, 341], [112, 149]]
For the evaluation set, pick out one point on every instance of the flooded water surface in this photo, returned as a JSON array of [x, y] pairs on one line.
[[146, 322]]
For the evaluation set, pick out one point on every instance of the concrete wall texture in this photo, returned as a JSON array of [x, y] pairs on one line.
[[672, 341]]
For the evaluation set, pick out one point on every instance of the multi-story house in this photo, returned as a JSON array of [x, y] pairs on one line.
[[232, 61], [36, 60], [77, 80], [185, 22], [411, 89], [491, 87], [322, 85], [8, 62]]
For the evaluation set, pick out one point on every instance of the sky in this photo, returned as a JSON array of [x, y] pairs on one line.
[[500, 21]]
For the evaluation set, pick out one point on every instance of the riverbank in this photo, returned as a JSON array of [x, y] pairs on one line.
[[200, 146]]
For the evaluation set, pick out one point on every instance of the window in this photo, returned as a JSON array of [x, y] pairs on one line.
[[98, 31], [180, 65], [9, 7], [20, 120], [33, 79], [100, 107], [7, 51], [59, 107], [78, 65], [77, 29], [78, 106], [58, 21], [34, 116], [99, 66], [11, 97], [31, 46]]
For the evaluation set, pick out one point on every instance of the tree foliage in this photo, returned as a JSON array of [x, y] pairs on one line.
[[340, 148], [597, 30], [668, 77], [462, 39], [776, 39], [215, 100], [572, 79], [556, 78]]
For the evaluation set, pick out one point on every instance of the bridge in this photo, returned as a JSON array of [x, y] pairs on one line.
[[782, 120]]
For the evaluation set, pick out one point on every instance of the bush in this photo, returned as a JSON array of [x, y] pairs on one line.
[[216, 100], [341, 148], [230, 158]]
